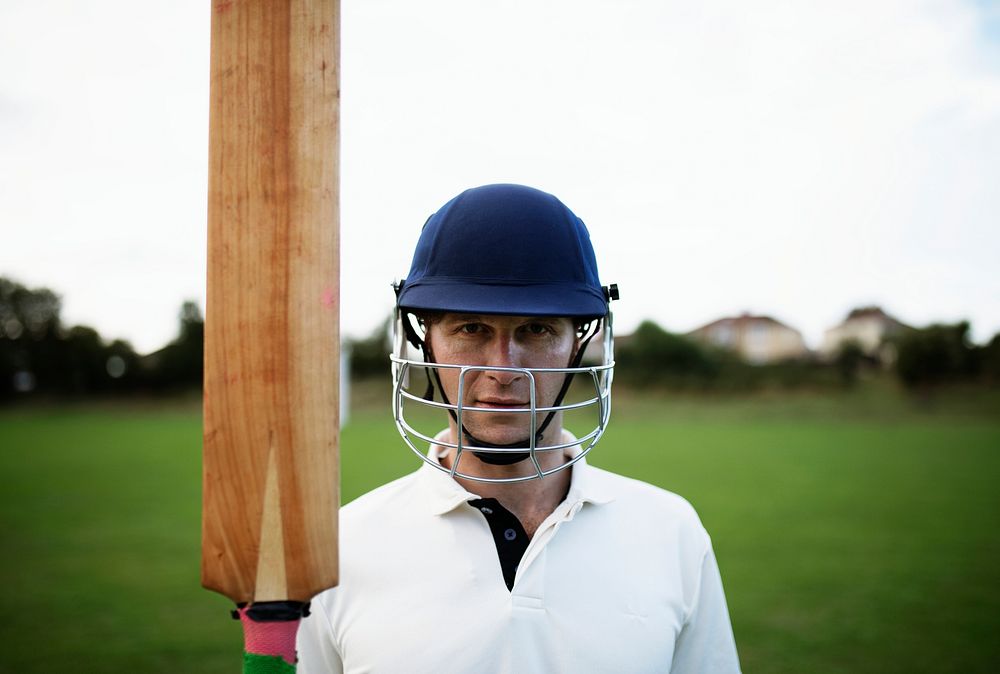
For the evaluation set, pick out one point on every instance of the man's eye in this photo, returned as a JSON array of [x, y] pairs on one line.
[[537, 328], [471, 328]]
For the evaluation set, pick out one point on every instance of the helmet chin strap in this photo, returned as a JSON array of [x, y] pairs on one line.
[[499, 458], [503, 458]]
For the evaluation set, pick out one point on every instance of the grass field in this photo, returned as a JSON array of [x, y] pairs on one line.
[[856, 533]]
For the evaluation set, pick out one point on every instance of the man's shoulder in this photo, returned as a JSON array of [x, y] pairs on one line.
[[391, 497], [385, 518], [645, 500]]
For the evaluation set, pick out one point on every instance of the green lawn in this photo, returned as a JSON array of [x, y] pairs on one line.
[[856, 533]]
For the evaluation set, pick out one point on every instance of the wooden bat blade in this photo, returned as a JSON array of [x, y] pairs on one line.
[[270, 460]]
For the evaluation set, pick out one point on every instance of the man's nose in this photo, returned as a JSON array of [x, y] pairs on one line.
[[504, 353]]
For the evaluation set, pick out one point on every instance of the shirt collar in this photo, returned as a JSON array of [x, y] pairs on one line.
[[443, 494]]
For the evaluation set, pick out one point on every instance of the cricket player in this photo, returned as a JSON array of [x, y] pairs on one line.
[[505, 551]]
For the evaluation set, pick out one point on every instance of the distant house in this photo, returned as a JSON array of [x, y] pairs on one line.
[[758, 339], [868, 327]]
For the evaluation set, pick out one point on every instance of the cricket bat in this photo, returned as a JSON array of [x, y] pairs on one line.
[[270, 478]]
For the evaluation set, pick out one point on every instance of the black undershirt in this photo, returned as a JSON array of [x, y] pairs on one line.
[[508, 534]]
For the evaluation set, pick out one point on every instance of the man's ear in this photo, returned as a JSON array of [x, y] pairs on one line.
[[428, 341]]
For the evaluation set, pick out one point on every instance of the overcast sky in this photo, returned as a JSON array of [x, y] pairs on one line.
[[786, 158]]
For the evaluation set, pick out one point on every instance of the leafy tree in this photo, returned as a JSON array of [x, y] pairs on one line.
[[27, 312], [989, 360], [123, 365], [83, 359], [654, 356], [30, 353], [848, 361], [935, 355], [370, 356], [181, 364]]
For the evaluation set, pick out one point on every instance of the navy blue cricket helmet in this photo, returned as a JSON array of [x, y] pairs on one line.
[[513, 250], [504, 249]]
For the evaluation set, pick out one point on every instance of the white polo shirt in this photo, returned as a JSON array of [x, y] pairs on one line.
[[621, 577]]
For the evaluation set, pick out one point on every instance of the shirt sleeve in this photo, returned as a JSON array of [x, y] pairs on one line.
[[317, 651], [706, 642]]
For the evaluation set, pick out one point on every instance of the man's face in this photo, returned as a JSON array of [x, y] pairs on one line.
[[502, 341]]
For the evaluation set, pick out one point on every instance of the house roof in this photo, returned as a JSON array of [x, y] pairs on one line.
[[740, 321], [875, 312]]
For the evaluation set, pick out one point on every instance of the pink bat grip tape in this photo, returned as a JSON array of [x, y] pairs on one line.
[[269, 638]]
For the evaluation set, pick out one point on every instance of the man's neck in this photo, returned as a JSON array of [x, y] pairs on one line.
[[531, 501]]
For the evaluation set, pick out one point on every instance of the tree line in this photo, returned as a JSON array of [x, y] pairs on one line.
[[939, 354], [39, 356]]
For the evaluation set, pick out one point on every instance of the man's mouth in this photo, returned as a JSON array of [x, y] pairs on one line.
[[500, 403]]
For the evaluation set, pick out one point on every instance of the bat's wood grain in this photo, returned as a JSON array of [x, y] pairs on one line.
[[269, 528]]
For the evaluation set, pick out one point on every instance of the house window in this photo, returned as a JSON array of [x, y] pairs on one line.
[[723, 335]]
